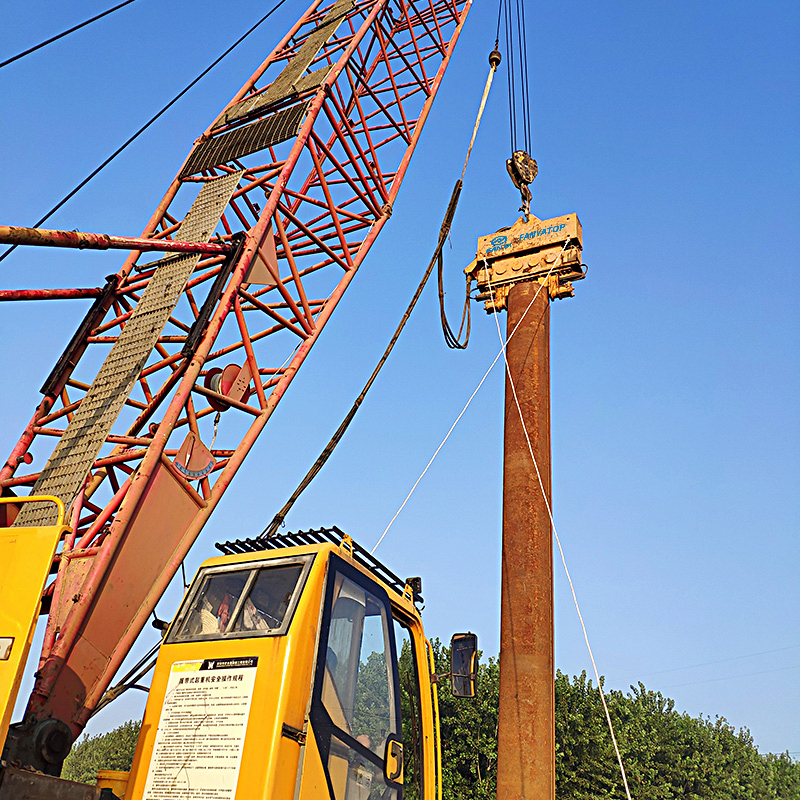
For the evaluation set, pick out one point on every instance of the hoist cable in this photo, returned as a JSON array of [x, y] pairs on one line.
[[519, 104], [147, 124], [462, 412], [512, 103], [317, 466], [62, 35], [526, 94], [444, 231], [503, 348]]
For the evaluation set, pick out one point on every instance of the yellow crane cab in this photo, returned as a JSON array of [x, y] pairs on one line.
[[296, 668]]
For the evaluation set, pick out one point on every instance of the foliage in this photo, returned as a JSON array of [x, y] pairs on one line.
[[667, 755], [371, 713], [112, 750], [469, 732]]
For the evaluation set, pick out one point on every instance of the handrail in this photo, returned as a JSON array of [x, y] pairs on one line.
[[40, 499]]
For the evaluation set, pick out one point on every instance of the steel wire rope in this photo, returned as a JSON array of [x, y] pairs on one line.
[[453, 340], [444, 232], [464, 409], [62, 34], [519, 113], [503, 346], [731, 677], [526, 94], [147, 124], [512, 91]]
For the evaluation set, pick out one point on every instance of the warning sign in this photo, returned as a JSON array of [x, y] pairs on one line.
[[199, 741]]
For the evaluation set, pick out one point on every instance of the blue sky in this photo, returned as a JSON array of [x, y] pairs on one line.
[[671, 129]]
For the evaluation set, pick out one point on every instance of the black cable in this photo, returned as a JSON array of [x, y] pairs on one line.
[[278, 519], [62, 35], [147, 125], [512, 102], [523, 74], [451, 339], [130, 681], [525, 79]]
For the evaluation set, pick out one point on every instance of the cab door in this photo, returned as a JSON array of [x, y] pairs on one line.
[[355, 705]]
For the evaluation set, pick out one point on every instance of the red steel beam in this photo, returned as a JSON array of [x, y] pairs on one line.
[[303, 214], [81, 240], [48, 294]]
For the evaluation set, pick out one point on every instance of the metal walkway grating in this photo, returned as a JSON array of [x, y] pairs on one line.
[[245, 140], [289, 81], [80, 445]]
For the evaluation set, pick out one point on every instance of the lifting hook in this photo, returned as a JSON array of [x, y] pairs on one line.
[[522, 170]]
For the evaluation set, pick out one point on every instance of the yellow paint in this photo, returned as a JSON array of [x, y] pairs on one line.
[[26, 555], [113, 779], [275, 766]]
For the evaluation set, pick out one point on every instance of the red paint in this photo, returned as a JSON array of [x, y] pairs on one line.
[[335, 210]]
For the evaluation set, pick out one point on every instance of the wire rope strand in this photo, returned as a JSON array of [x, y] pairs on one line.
[[522, 82], [503, 346], [147, 124], [525, 80], [512, 91], [451, 339], [466, 405], [62, 34]]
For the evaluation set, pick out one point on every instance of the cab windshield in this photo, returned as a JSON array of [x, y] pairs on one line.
[[240, 602]]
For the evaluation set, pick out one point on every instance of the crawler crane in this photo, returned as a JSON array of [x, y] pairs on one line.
[[297, 665], [243, 261]]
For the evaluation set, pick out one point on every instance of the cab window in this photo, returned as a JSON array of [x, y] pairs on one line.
[[411, 712], [240, 602], [355, 708]]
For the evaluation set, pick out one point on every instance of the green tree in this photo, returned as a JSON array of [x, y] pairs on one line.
[[112, 750], [469, 732], [667, 755], [372, 713]]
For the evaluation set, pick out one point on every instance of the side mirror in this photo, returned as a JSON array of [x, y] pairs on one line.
[[464, 664]]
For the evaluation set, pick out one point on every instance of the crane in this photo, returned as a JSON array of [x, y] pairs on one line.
[[210, 316]]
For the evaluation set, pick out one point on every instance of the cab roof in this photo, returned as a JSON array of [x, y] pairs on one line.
[[320, 536]]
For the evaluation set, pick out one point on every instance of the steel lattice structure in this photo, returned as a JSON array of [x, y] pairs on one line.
[[295, 178]]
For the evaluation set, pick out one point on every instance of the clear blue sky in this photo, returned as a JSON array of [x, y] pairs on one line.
[[671, 129]]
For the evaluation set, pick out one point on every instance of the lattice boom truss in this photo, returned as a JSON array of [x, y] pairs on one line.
[[311, 152]]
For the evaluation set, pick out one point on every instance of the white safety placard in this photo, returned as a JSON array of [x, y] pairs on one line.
[[200, 736]]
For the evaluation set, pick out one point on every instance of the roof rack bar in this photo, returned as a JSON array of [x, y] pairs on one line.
[[332, 535]]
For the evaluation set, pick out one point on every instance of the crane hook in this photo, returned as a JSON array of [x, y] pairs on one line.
[[522, 170]]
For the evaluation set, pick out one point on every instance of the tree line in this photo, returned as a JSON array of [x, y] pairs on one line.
[[667, 755]]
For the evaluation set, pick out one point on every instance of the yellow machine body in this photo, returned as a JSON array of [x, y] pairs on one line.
[[300, 672], [26, 556]]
